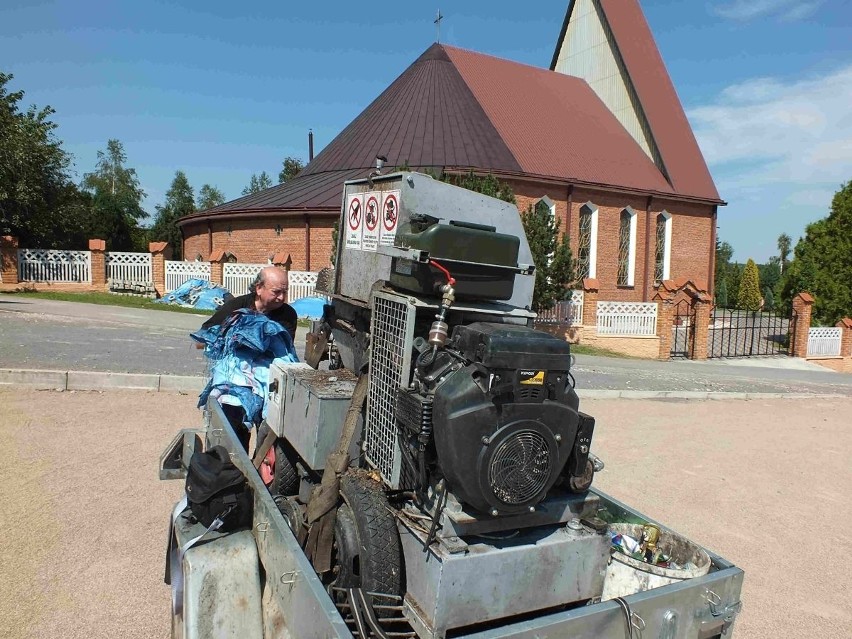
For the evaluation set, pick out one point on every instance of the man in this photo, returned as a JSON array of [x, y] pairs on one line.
[[267, 295]]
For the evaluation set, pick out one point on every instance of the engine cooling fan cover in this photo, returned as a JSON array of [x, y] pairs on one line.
[[518, 463]]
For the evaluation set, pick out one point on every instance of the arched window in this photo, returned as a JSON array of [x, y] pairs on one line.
[[626, 247], [663, 252], [587, 246], [548, 204]]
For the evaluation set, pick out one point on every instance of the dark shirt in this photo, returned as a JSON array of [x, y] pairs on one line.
[[286, 315]]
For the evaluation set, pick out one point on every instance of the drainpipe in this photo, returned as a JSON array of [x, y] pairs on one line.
[[711, 278], [648, 225], [307, 242]]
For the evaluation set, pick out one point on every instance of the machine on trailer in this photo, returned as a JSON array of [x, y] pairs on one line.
[[434, 478]]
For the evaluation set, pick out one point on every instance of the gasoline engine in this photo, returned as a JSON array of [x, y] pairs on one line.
[[471, 419]]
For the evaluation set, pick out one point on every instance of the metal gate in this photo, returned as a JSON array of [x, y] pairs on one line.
[[683, 329], [743, 333]]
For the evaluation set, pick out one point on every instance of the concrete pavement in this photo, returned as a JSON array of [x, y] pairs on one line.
[[73, 346]]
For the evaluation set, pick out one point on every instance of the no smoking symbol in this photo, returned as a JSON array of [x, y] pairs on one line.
[[372, 217], [390, 213], [354, 215]]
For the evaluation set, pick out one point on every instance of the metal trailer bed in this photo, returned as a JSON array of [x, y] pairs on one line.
[[296, 604]]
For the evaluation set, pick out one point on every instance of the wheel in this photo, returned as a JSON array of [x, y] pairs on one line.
[[367, 550], [285, 476], [582, 483]]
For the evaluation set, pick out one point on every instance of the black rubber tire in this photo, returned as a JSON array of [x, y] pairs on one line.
[[285, 476], [368, 549]]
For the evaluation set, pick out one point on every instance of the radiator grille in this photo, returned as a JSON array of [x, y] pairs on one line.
[[391, 333]]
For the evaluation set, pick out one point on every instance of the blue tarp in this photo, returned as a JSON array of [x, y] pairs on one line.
[[197, 293], [309, 307]]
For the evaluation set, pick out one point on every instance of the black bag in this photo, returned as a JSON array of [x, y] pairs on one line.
[[215, 487]]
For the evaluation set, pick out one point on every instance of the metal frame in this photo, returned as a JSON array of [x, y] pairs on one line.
[[683, 330], [744, 333]]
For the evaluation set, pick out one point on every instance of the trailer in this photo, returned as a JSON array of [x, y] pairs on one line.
[[428, 470]]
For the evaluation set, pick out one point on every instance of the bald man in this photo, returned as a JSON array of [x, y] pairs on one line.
[[268, 296]]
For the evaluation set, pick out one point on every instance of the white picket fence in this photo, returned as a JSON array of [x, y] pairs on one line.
[[824, 341], [46, 265], [302, 284], [178, 273], [238, 277], [627, 319], [568, 311], [132, 268]]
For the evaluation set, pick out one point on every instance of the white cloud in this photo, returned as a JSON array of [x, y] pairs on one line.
[[778, 150], [788, 10]]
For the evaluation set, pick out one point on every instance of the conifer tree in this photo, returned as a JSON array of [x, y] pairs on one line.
[[722, 294], [554, 263], [748, 297]]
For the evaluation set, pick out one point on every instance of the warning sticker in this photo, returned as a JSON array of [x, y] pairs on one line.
[[531, 377], [390, 217], [354, 220], [371, 221]]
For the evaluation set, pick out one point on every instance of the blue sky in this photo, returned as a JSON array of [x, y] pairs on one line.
[[222, 90]]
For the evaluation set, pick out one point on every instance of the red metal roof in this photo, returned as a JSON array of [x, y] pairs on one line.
[[669, 126], [555, 125], [466, 110]]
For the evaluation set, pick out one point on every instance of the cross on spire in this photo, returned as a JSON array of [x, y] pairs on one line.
[[437, 21]]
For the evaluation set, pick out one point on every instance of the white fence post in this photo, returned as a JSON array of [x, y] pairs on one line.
[[627, 319], [237, 278], [302, 284], [45, 265], [824, 341], [178, 273], [130, 268]]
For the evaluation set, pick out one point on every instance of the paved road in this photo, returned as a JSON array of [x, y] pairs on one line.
[[56, 335]]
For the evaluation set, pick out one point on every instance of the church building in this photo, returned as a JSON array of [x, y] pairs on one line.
[[600, 138]]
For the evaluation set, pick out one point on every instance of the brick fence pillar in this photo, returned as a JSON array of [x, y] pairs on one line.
[[700, 330], [8, 259], [665, 320], [846, 343], [590, 303], [98, 250], [802, 306], [160, 252], [217, 266]]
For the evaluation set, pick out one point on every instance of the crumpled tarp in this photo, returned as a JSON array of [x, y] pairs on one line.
[[241, 350], [196, 293]]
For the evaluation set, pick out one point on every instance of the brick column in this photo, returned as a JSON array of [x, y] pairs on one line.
[[700, 330], [802, 305], [98, 250], [665, 319], [9, 259], [217, 261], [846, 343], [590, 303], [160, 252]]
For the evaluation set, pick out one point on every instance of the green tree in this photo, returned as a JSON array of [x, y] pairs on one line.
[[724, 253], [258, 183], [209, 196], [822, 262], [722, 294], [748, 296], [179, 202], [116, 199], [485, 184], [335, 233], [768, 299], [290, 169], [770, 273], [784, 242], [39, 204], [554, 264]]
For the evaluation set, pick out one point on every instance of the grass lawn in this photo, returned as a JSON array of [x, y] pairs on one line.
[[582, 349]]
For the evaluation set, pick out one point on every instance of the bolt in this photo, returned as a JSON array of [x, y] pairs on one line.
[[532, 509], [558, 438], [584, 449], [494, 512], [485, 441]]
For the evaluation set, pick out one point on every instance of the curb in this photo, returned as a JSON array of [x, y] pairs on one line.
[[101, 381]]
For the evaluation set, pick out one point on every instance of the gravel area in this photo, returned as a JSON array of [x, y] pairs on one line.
[[763, 483]]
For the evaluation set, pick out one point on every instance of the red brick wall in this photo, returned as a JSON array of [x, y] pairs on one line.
[[256, 240], [691, 234]]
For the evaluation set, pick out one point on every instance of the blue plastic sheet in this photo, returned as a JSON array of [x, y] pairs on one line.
[[196, 293], [309, 307]]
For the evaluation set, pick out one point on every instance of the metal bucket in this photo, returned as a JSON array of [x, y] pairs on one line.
[[627, 576]]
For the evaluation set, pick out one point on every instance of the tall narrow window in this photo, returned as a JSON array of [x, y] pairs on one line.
[[662, 255], [588, 239], [626, 247]]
